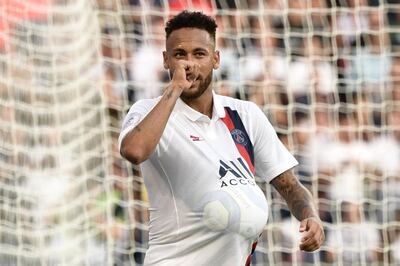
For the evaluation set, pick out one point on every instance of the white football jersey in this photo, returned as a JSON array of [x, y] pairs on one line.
[[205, 207]]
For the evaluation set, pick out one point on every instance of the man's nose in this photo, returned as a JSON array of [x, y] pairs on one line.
[[189, 57]]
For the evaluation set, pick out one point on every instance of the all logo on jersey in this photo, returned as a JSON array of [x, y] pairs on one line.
[[235, 173]]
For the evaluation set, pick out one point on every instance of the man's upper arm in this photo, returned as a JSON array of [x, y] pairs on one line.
[[271, 157], [136, 114]]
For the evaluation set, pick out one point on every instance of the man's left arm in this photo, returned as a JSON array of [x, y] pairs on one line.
[[301, 205]]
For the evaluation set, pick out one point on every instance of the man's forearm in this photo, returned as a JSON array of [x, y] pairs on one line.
[[141, 141], [301, 203], [298, 198]]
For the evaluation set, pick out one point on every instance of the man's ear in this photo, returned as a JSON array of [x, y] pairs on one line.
[[216, 60], [165, 59]]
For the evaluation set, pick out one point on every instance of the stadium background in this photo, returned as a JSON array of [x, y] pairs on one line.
[[326, 73]]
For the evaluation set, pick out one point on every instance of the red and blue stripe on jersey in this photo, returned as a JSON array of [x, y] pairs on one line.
[[233, 122], [253, 248]]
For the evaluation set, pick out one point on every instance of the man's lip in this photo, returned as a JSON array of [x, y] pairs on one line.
[[194, 82]]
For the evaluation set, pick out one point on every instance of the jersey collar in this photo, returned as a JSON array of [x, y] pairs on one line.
[[218, 110]]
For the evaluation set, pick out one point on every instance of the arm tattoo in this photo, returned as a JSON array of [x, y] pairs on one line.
[[169, 95], [298, 198]]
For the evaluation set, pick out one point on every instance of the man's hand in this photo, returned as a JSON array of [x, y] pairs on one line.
[[185, 74], [313, 234]]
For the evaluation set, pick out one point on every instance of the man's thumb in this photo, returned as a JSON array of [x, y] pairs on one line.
[[303, 226]]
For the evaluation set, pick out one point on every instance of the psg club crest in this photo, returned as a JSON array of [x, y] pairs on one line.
[[239, 137]]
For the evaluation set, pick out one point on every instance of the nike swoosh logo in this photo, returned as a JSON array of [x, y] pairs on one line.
[[196, 138]]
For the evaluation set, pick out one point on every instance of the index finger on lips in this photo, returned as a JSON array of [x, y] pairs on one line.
[[179, 71], [196, 70]]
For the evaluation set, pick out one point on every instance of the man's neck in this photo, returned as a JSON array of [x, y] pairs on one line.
[[202, 104]]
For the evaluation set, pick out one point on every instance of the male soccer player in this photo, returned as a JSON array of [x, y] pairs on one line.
[[199, 153]]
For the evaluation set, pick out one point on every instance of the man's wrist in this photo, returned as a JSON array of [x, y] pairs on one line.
[[172, 91], [177, 86]]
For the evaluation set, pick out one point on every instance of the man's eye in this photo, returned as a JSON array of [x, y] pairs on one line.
[[178, 54], [200, 54]]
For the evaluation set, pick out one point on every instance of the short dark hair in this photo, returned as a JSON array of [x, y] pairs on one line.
[[187, 19]]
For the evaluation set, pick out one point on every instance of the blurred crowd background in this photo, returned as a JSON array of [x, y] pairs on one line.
[[325, 72]]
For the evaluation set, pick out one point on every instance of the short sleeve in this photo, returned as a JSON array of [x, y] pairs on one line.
[[271, 157], [136, 114]]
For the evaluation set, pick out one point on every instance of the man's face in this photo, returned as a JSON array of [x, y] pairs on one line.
[[195, 45]]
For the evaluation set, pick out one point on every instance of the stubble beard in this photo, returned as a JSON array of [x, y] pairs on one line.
[[194, 93]]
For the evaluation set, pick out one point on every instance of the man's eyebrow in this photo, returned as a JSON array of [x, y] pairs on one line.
[[199, 49]]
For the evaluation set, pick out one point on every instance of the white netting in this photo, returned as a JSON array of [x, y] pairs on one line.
[[326, 72]]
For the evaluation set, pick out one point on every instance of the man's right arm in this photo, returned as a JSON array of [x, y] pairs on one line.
[[142, 140]]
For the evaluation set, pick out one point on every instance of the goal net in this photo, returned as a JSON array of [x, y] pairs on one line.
[[325, 72]]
